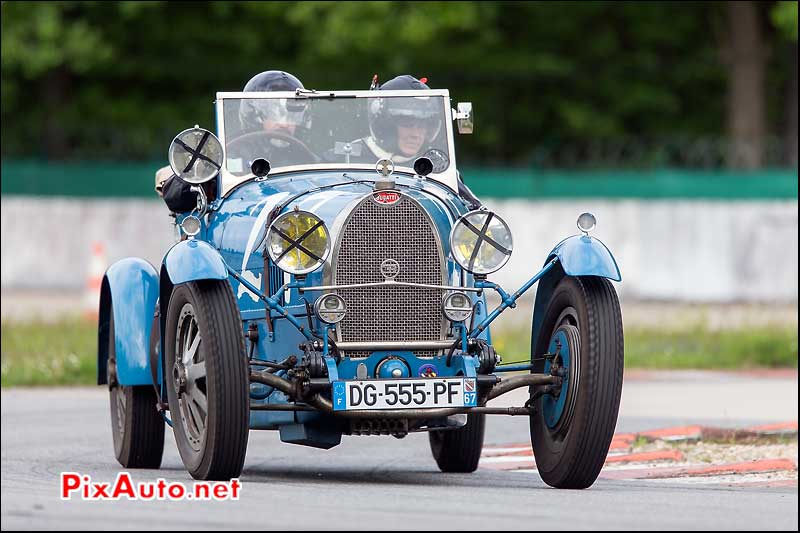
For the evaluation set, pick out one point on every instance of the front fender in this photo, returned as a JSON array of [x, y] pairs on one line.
[[189, 260], [578, 255], [192, 260], [581, 255], [130, 290]]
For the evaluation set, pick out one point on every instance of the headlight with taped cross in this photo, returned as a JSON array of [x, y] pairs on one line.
[[298, 242], [481, 242], [195, 155]]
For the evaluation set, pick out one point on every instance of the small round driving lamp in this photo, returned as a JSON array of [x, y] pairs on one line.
[[298, 242], [481, 242], [423, 166], [330, 308], [260, 167], [457, 306], [586, 222], [191, 225]]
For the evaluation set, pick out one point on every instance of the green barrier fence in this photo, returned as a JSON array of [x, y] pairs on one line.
[[109, 179]]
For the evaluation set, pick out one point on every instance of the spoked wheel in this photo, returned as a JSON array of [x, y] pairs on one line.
[[207, 375], [136, 425], [189, 376], [572, 427], [459, 450]]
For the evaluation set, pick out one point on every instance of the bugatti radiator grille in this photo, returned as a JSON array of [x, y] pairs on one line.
[[374, 233]]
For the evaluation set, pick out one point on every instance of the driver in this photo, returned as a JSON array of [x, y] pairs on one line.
[[269, 126], [277, 115], [254, 115]]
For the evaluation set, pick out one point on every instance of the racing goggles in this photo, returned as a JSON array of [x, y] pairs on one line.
[[280, 110]]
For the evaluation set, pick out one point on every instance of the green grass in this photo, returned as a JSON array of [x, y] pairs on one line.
[[65, 353], [697, 347]]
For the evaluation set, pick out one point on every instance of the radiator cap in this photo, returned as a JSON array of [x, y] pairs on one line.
[[385, 168]]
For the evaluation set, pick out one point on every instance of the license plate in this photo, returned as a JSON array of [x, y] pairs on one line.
[[404, 393]]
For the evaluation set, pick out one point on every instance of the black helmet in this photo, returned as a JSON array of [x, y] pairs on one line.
[[252, 113], [272, 80], [406, 82], [385, 114]]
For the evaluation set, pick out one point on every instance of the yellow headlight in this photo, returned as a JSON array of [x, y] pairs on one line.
[[481, 242], [298, 242]]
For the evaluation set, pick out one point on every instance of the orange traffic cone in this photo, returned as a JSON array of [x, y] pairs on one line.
[[97, 268]]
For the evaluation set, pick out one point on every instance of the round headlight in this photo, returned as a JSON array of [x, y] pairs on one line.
[[457, 306], [298, 242], [330, 308], [195, 155], [481, 242]]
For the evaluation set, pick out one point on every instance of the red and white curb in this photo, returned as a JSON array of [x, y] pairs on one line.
[[623, 463]]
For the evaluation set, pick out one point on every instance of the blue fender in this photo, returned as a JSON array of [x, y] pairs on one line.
[[192, 260], [189, 260], [581, 255], [578, 255], [130, 288]]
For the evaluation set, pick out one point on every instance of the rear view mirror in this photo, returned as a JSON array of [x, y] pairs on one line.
[[464, 118]]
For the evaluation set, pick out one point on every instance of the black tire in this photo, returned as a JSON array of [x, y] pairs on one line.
[[208, 389], [571, 454], [459, 450], [137, 428]]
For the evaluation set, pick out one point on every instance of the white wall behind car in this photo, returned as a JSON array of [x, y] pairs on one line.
[[707, 251], [703, 251]]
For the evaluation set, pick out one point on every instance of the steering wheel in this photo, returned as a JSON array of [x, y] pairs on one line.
[[256, 143]]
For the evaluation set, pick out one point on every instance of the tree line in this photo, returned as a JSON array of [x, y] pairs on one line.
[[115, 80]]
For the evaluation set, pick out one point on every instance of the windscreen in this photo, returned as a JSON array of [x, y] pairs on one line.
[[342, 131]]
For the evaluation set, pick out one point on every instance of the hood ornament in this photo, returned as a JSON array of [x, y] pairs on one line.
[[384, 167]]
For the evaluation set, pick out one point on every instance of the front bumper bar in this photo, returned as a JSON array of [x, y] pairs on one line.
[[318, 403]]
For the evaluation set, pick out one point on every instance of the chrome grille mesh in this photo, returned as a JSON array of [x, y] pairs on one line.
[[403, 232]]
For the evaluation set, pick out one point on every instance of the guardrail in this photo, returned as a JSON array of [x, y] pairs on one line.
[[95, 179]]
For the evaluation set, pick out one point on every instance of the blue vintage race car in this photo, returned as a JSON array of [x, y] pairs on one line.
[[326, 285]]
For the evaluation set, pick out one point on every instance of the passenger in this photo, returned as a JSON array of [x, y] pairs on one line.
[[401, 129], [404, 129]]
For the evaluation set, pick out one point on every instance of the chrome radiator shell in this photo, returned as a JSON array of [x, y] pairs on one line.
[[372, 233]]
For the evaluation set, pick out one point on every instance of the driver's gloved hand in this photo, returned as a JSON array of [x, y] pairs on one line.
[[178, 194], [162, 175]]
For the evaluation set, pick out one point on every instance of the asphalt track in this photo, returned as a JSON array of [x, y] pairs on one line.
[[382, 482]]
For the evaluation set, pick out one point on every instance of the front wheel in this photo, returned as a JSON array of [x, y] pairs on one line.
[[459, 450], [572, 426], [207, 379]]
